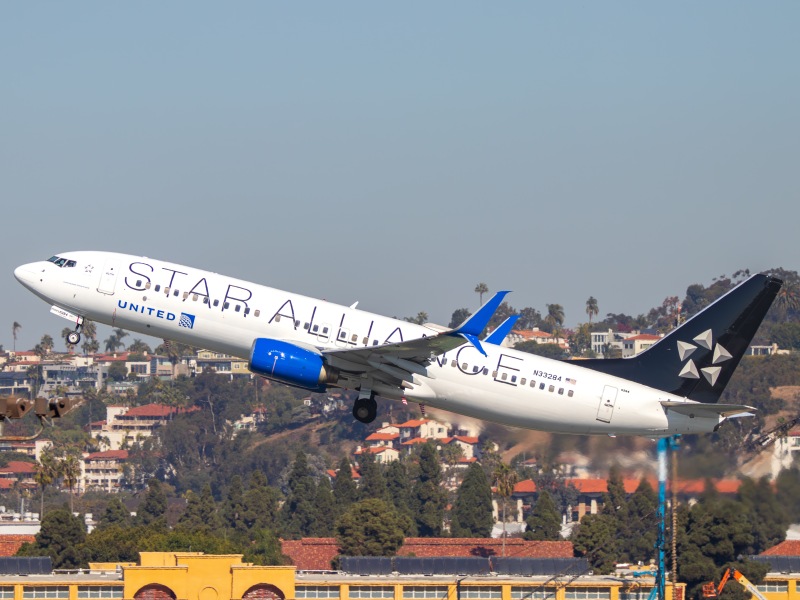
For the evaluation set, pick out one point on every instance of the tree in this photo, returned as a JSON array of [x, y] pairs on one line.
[[428, 498], [768, 518], [265, 549], [591, 308], [60, 537], [505, 478], [545, 520], [398, 488], [373, 483], [201, 512], [46, 473], [472, 510], [298, 513], [459, 316], [548, 350], [89, 333], [555, 318], [260, 504], [595, 538], [139, 347], [70, 470], [529, 318], [115, 515], [233, 509], [481, 289], [117, 371], [14, 329], [345, 492], [420, 319], [641, 525], [323, 501], [154, 504], [370, 527]]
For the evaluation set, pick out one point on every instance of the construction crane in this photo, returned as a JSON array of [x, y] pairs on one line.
[[46, 410], [712, 591]]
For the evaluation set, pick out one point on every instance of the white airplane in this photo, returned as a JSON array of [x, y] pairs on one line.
[[671, 388]]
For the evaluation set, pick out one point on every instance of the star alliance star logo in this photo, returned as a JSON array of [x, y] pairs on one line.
[[88, 269], [704, 340]]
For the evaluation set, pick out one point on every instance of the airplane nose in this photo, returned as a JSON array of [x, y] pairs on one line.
[[25, 274]]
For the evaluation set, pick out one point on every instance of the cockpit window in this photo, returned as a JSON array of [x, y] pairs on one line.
[[61, 262]]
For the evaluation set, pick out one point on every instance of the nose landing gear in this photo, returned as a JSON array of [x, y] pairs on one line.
[[74, 337]]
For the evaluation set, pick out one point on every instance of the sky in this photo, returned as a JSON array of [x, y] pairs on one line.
[[400, 153]]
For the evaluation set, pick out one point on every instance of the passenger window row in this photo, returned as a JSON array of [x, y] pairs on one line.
[[505, 377], [196, 297]]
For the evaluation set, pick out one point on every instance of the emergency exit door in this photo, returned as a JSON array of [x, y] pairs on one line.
[[607, 401]]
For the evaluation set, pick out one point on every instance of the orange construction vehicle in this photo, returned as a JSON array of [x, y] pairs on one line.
[[712, 591]]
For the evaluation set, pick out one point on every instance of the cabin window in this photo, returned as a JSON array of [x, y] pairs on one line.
[[324, 330], [247, 310], [561, 391], [570, 392], [138, 283], [365, 341], [205, 299], [463, 366], [216, 302], [297, 324], [305, 325], [513, 379], [504, 376], [533, 383], [475, 369], [453, 364], [354, 337], [541, 386], [315, 329], [238, 307], [494, 374], [485, 371], [551, 388], [158, 288], [341, 335], [147, 285], [166, 291], [277, 318], [374, 342], [175, 293], [522, 381], [257, 313], [185, 295]]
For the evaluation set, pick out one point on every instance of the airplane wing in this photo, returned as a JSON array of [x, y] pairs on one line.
[[399, 361]]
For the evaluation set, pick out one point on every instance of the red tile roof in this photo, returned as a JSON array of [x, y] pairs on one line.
[[643, 336], [108, 455], [19, 467], [413, 441], [414, 423], [785, 548], [317, 553], [382, 437], [10, 543]]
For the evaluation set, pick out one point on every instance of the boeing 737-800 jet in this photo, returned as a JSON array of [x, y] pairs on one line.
[[671, 388]]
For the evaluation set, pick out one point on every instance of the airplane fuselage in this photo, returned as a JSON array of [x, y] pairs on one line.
[[224, 314]]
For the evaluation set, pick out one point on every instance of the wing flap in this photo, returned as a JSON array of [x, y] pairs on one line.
[[699, 409]]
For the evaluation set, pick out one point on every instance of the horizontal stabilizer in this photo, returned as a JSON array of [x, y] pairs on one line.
[[699, 409]]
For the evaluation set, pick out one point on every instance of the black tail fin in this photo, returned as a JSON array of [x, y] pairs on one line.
[[697, 359]]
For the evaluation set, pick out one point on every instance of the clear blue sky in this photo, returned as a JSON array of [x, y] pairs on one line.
[[400, 153]]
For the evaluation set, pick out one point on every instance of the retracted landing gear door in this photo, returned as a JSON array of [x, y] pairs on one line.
[[108, 278]]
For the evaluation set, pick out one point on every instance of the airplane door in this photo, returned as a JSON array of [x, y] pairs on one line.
[[607, 402], [108, 278]]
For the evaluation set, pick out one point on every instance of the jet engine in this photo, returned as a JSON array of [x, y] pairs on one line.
[[291, 364]]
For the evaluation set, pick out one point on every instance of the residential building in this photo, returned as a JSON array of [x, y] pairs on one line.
[[102, 470]]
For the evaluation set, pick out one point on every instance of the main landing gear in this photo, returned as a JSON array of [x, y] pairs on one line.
[[74, 337], [365, 408]]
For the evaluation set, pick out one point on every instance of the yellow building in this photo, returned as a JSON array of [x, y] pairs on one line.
[[197, 576]]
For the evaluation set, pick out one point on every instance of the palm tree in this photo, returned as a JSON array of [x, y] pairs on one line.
[[591, 307], [505, 478], [481, 289], [555, 318], [14, 329], [70, 470], [788, 297], [46, 473]]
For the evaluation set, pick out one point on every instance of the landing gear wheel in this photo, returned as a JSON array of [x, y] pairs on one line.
[[73, 338], [365, 410]]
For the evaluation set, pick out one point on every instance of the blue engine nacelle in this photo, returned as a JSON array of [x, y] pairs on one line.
[[291, 364]]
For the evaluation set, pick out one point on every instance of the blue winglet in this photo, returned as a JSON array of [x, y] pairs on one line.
[[474, 341], [473, 326], [499, 334]]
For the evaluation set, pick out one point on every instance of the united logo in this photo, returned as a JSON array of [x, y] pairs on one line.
[[186, 320]]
